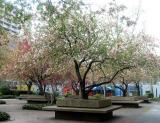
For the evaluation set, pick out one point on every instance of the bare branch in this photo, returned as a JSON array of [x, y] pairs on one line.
[[89, 67], [83, 60], [109, 81]]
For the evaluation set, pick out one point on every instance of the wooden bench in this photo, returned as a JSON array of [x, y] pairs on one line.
[[82, 114]]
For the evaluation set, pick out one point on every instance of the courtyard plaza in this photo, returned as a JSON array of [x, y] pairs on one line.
[[147, 113]]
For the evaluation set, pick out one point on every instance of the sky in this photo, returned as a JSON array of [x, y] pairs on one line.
[[149, 19]]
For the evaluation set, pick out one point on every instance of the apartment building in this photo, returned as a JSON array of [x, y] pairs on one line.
[[7, 23]]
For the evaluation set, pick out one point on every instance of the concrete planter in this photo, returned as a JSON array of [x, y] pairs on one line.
[[126, 101], [142, 97], [117, 98], [82, 103]]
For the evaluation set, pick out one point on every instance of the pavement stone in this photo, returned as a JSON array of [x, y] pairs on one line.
[[147, 113]]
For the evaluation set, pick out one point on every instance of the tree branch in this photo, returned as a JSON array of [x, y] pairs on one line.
[[119, 87], [109, 81], [83, 60], [75, 87], [77, 71], [89, 67]]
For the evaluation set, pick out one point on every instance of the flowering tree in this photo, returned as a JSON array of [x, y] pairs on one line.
[[86, 42], [10, 12], [79, 35]]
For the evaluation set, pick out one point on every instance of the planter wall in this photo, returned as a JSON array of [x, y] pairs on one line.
[[82, 103], [118, 98]]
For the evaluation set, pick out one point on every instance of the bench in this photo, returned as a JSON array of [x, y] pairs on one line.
[[34, 98], [39, 101], [82, 114], [133, 101], [144, 98], [134, 104], [24, 96]]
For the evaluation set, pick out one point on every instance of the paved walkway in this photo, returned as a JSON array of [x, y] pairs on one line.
[[148, 113]]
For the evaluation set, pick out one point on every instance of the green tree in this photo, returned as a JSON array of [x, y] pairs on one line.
[[79, 34], [89, 41]]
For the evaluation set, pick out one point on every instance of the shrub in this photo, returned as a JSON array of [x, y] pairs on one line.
[[157, 99], [4, 116], [149, 94], [2, 102], [34, 106], [98, 96], [7, 96], [5, 90], [68, 95]]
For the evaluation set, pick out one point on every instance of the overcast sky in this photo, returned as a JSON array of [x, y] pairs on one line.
[[149, 15]]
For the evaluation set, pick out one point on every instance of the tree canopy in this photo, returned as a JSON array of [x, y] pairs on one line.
[[96, 46]]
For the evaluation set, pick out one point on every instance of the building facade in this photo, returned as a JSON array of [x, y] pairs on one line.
[[6, 21]]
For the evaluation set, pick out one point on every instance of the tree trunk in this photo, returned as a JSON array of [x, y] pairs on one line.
[[75, 87], [124, 92], [29, 89], [125, 88], [82, 92], [41, 90], [29, 85], [44, 88], [138, 89]]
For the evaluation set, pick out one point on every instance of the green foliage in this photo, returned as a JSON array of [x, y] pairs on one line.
[[68, 95], [60, 97], [98, 96], [5, 90], [7, 96], [2, 102], [21, 17], [75, 34], [149, 94], [4, 116], [56, 94], [157, 99], [87, 41], [3, 32]]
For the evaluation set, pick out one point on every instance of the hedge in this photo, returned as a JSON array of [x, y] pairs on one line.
[[4, 116]]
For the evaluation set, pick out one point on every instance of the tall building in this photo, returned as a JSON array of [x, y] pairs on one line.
[[7, 23]]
